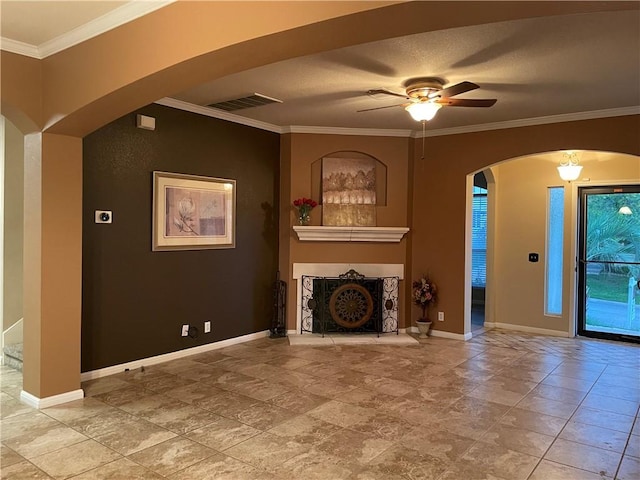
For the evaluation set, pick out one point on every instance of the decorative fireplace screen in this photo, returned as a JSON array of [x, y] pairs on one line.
[[349, 303]]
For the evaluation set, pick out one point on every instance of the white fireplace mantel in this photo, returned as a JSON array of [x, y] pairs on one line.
[[350, 234]]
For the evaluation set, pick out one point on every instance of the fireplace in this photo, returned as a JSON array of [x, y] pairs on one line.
[[349, 298]]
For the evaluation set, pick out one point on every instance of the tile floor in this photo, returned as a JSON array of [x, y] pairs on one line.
[[501, 406]]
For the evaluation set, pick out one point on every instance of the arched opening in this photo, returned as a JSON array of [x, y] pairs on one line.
[[518, 255]]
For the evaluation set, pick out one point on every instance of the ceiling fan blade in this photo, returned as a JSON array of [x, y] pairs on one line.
[[467, 102], [457, 89], [380, 108], [377, 91]]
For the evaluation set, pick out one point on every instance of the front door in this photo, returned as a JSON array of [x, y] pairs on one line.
[[609, 263]]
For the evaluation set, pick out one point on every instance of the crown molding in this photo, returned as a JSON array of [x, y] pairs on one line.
[[371, 132], [113, 19], [219, 114], [528, 122], [21, 48], [380, 132]]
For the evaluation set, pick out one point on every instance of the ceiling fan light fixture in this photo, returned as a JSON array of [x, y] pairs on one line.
[[423, 111]]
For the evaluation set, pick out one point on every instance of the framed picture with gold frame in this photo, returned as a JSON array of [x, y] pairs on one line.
[[192, 212]]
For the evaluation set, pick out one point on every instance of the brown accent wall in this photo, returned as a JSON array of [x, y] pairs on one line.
[[300, 151], [439, 198], [135, 300]]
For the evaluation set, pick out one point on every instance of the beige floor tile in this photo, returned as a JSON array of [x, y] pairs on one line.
[[568, 382], [123, 433], [259, 389], [194, 392], [624, 393], [500, 461], [439, 408], [298, 402], [633, 447], [328, 388], [469, 471], [123, 395], [595, 436], [24, 424], [122, 469], [75, 459], [604, 419], [102, 385], [22, 471], [353, 446], [172, 456], [227, 404], [546, 406], [8, 456], [520, 440], [264, 416], [305, 429], [78, 409], [219, 467], [39, 442], [10, 407], [547, 470], [611, 404], [578, 455], [315, 465], [341, 414], [266, 451], [222, 434], [534, 421], [559, 394], [629, 469], [437, 442], [409, 463]]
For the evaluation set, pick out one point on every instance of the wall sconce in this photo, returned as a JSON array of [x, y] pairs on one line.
[[569, 169]]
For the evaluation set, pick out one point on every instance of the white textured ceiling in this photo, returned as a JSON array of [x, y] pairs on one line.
[[38, 22], [536, 68]]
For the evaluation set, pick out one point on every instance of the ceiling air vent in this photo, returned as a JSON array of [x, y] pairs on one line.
[[255, 100]]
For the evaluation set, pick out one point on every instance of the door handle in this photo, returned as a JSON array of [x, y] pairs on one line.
[[638, 284]]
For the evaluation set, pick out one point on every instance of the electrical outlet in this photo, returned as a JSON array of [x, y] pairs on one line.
[[441, 316], [185, 330], [207, 327]]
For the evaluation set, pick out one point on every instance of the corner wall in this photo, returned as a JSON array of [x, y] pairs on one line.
[[300, 151], [440, 189]]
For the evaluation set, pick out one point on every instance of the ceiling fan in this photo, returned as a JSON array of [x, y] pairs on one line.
[[427, 95]]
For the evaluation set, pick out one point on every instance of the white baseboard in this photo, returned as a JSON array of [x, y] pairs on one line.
[[35, 402], [104, 372], [443, 334], [526, 329]]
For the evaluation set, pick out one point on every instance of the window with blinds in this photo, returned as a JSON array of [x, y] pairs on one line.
[[479, 238]]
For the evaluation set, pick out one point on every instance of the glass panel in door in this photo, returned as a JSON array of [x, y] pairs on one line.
[[609, 266]]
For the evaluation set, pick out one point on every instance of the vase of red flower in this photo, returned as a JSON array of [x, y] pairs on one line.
[[304, 206]]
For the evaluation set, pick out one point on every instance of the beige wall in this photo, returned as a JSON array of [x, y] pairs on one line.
[[53, 264], [299, 152], [521, 219], [13, 224]]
